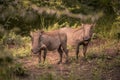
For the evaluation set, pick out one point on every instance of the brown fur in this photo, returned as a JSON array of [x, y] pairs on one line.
[[80, 36], [53, 40]]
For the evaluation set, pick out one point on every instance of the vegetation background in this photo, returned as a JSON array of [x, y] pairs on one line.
[[19, 17]]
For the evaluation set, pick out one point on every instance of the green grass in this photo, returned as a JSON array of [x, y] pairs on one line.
[[8, 67]]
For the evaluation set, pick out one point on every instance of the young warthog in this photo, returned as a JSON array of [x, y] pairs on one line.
[[49, 41], [77, 37]]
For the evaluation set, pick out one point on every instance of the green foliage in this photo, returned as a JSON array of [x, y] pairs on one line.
[[96, 74], [12, 46], [19, 70], [45, 65], [48, 76], [6, 56], [17, 45], [116, 62], [24, 17], [6, 61]]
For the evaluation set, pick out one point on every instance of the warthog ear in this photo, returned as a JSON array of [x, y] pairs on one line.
[[42, 31]]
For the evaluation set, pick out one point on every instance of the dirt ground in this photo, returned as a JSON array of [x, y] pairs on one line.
[[82, 69], [90, 69]]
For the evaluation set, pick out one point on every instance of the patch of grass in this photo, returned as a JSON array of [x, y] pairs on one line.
[[73, 76], [116, 62], [72, 59], [8, 68], [103, 64], [21, 52], [103, 68], [46, 76], [6, 61], [91, 56], [5, 73], [45, 65], [96, 74], [17, 45], [101, 49], [19, 70], [49, 76], [5, 57]]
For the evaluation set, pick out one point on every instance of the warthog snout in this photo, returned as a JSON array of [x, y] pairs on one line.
[[86, 38]]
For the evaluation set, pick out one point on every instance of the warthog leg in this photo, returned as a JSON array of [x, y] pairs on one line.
[[66, 51], [77, 51], [85, 49], [44, 56], [60, 53], [39, 56]]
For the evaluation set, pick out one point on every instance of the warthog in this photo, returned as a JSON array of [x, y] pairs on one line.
[[53, 40], [77, 37]]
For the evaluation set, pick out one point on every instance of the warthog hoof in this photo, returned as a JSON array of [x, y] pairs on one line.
[[66, 61], [59, 62]]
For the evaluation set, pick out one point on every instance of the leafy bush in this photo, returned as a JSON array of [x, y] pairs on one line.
[[6, 61], [19, 70], [8, 54]]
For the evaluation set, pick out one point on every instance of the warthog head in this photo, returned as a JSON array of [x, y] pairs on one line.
[[36, 40], [87, 31]]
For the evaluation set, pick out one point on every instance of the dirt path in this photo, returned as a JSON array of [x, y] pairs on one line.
[[51, 66], [81, 70], [90, 69]]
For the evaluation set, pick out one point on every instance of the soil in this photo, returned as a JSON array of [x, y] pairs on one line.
[[81, 69]]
